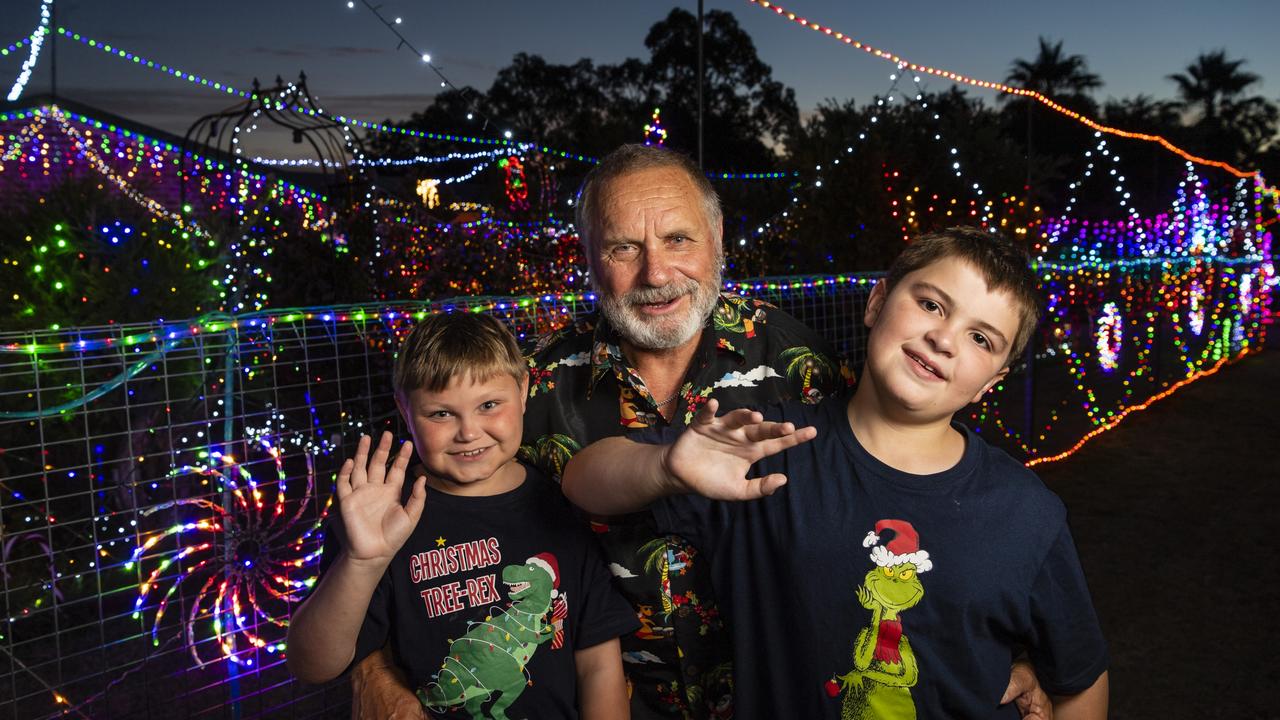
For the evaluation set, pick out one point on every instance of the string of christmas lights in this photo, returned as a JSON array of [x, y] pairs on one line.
[[1000, 87], [249, 591], [37, 42], [390, 162], [507, 144]]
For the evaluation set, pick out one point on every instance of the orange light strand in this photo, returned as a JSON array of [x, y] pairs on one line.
[[1134, 408], [957, 77]]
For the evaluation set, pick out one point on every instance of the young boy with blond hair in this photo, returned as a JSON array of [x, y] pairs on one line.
[[905, 562], [495, 598]]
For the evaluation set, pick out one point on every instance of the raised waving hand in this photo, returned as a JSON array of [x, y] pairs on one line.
[[376, 524]]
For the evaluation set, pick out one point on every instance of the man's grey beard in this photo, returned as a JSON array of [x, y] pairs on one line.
[[662, 333]]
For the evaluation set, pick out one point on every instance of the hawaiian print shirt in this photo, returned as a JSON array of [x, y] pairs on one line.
[[582, 389]]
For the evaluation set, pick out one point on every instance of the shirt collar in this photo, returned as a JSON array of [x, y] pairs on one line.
[[606, 343]]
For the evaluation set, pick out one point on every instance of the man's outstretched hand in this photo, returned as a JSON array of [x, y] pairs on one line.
[[712, 457]]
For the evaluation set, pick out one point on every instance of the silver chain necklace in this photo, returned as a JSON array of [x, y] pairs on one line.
[[674, 395]]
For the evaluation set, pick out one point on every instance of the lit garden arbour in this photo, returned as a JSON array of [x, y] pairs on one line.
[[338, 156]]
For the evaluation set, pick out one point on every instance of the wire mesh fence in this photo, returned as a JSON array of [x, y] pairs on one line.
[[162, 486]]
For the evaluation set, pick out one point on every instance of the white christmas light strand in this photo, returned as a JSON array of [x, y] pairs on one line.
[[987, 207], [393, 26], [518, 149], [1124, 195], [37, 42], [155, 208]]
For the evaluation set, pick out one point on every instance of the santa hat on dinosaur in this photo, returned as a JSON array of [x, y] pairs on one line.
[[903, 548], [548, 563]]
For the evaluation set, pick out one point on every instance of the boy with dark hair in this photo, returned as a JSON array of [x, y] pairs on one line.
[[496, 599], [907, 561]]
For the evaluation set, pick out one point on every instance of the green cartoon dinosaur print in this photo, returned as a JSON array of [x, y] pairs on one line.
[[884, 666], [489, 661]]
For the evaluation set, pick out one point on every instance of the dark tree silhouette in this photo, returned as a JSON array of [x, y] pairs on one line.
[[1053, 143], [1052, 73], [1224, 120]]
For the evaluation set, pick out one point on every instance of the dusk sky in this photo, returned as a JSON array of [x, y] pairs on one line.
[[354, 67]]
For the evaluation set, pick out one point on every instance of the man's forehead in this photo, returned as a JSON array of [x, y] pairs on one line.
[[669, 197], [648, 184]]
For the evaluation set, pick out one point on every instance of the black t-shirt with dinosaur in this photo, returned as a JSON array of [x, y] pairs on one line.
[[489, 598], [858, 590]]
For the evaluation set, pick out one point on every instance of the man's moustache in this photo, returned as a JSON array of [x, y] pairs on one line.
[[666, 293]]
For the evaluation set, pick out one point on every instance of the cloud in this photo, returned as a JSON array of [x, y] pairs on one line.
[[750, 378], [619, 571], [576, 359]]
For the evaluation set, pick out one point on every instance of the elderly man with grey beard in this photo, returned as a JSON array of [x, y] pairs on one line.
[[663, 341]]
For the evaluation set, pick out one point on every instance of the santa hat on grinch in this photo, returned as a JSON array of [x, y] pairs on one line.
[[903, 548], [547, 562]]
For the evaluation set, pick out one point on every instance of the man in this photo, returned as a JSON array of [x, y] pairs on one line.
[[663, 342]]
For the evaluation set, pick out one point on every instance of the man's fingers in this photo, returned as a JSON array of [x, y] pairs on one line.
[[779, 437], [763, 486], [742, 417], [358, 474], [707, 412], [378, 463]]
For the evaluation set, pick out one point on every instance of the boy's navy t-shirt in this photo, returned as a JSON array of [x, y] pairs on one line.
[[858, 590], [490, 597]]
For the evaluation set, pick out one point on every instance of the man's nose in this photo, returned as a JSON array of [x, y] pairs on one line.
[[655, 270]]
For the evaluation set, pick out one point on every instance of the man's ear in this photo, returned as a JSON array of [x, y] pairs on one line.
[[875, 303], [990, 384]]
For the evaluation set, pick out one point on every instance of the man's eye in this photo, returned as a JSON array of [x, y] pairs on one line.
[[620, 252]]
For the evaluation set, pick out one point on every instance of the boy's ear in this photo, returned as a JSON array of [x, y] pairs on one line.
[[524, 392], [875, 303], [990, 384], [401, 405]]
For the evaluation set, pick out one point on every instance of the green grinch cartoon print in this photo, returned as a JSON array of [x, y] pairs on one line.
[[884, 667], [489, 661]]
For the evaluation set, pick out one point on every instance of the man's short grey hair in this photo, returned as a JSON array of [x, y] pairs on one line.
[[632, 158]]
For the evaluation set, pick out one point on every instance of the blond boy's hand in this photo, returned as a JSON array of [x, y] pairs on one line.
[[377, 525], [712, 457]]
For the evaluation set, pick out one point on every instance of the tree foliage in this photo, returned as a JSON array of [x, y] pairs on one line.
[[1223, 118]]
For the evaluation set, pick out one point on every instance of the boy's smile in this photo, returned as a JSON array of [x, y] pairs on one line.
[[468, 433], [939, 339]]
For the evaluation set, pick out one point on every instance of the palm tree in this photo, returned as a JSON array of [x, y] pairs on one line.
[[807, 366], [1227, 123], [1060, 77], [1211, 83], [1054, 75]]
